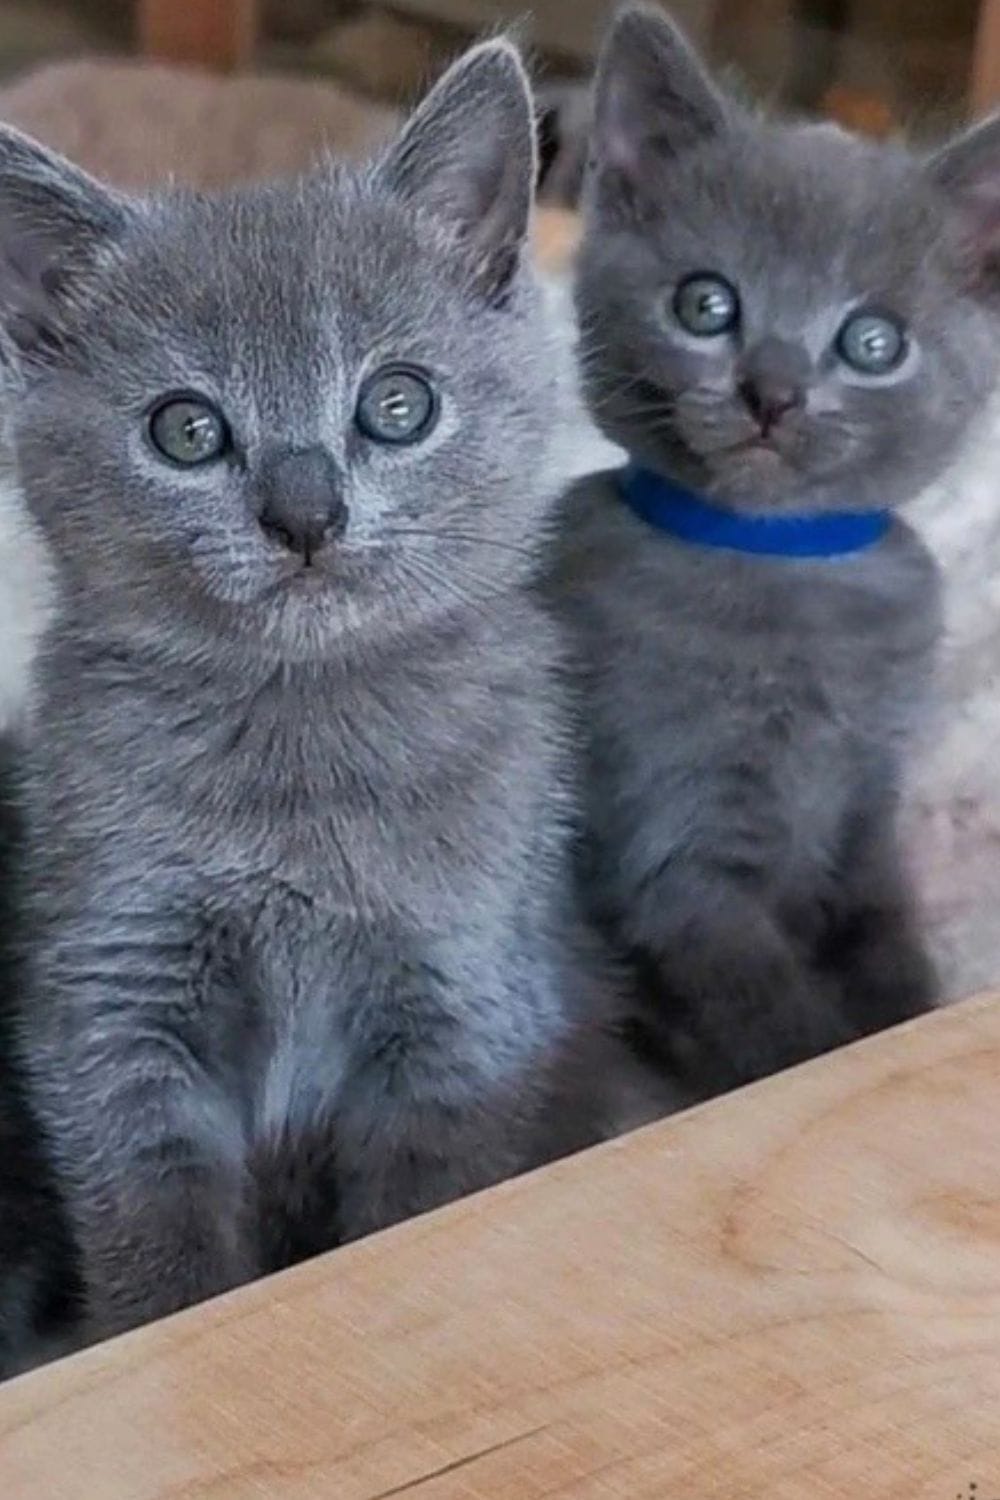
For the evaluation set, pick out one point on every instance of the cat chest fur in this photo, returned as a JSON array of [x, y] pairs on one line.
[[745, 707], [337, 906]]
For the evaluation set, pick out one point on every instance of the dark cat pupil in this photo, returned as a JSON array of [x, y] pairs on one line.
[[197, 429], [396, 406], [876, 343]]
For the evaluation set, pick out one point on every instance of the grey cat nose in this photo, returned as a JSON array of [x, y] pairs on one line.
[[767, 401], [775, 376], [302, 505]]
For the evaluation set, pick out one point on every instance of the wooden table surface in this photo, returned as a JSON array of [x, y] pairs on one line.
[[793, 1293]]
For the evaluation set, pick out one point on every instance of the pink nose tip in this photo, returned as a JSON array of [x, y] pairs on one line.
[[768, 403]]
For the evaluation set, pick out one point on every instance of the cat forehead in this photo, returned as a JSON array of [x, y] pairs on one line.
[[275, 302], [822, 170], [292, 250], [812, 198]]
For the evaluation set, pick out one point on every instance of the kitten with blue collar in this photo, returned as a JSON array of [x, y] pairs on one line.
[[787, 330]]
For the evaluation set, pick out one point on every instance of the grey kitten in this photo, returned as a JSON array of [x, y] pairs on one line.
[[305, 960], [788, 322]]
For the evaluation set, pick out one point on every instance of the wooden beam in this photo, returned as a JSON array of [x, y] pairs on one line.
[[210, 33], [985, 91], [790, 1294]]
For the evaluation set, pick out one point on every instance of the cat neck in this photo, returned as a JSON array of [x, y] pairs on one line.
[[441, 668], [682, 513]]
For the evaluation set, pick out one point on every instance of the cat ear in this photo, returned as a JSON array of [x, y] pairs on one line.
[[968, 171], [468, 155], [653, 98], [55, 223]]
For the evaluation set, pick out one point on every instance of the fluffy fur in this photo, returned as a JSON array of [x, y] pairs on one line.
[[304, 960], [748, 717]]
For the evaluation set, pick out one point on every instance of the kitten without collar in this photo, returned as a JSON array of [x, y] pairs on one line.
[[304, 958]]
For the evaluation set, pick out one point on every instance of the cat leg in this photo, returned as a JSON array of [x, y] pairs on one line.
[[873, 944], [147, 1148], [728, 997], [37, 1285], [446, 1096], [295, 1185]]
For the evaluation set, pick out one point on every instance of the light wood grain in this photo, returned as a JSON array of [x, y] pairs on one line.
[[793, 1294]]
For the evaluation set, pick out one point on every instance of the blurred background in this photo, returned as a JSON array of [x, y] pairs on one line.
[[878, 64], [214, 91]]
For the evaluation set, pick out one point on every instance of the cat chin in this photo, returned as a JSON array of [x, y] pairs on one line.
[[315, 624], [347, 602], [754, 479], [273, 581], [762, 478]]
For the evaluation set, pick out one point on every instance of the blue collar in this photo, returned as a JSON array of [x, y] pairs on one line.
[[681, 513]]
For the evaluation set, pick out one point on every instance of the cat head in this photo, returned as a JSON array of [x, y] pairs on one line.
[[780, 315], [292, 412]]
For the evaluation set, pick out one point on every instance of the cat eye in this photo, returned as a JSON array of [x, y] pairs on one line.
[[397, 405], [872, 343], [706, 305], [188, 431]]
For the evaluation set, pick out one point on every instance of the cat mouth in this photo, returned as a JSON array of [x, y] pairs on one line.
[[311, 576], [759, 453], [753, 464], [302, 576], [333, 567], [758, 444]]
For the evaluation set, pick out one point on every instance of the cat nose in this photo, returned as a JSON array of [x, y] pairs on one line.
[[302, 502], [774, 382], [768, 402]]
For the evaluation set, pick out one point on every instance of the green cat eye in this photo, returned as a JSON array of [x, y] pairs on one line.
[[872, 343], [706, 305], [188, 431], [397, 405]]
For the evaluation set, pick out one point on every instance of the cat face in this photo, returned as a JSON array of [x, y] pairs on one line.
[[295, 411], [784, 316]]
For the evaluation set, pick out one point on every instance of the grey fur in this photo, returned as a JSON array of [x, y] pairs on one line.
[[305, 956], [749, 717]]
